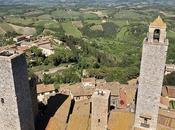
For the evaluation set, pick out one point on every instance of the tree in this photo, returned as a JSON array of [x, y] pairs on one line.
[[36, 51], [170, 79], [47, 79]]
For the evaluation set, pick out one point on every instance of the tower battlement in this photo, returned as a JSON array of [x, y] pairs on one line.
[[9, 54], [101, 93]]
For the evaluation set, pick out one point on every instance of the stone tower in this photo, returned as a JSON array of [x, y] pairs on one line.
[[100, 109], [15, 100], [151, 76]]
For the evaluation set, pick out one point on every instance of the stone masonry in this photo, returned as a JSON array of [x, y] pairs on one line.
[[100, 109], [151, 78], [15, 99]]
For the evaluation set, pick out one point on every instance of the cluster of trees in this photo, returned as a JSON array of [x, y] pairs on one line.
[[170, 79], [71, 75], [7, 38], [98, 64], [109, 30], [62, 56], [114, 73], [37, 58]]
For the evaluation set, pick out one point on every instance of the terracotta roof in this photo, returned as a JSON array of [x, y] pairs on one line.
[[41, 88], [121, 120], [158, 22], [125, 120], [133, 81], [168, 91], [80, 118], [23, 48], [88, 80], [166, 120], [14, 48], [21, 36], [43, 42], [122, 99], [7, 47], [77, 90], [164, 101], [58, 121], [46, 46]]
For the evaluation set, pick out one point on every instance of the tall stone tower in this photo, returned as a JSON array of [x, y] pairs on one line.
[[100, 109], [15, 100], [151, 76]]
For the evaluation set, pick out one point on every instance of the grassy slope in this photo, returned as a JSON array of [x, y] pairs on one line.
[[23, 30], [71, 30], [49, 24], [6, 27]]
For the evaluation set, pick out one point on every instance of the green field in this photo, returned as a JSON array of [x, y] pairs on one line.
[[48, 24], [89, 16], [20, 21], [44, 17], [71, 30], [23, 30], [92, 21], [66, 14], [6, 27], [109, 43]]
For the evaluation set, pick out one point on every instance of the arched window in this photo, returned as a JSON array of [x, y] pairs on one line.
[[156, 34]]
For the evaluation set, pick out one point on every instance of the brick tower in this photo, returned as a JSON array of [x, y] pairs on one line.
[[100, 109], [15, 100], [151, 76]]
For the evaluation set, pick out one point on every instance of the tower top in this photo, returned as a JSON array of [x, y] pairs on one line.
[[9, 54], [158, 22]]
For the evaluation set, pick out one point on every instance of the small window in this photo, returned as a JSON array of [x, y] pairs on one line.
[[98, 120], [156, 34], [145, 121], [2, 100]]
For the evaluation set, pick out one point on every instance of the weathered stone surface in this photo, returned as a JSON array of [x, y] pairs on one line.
[[100, 110], [152, 70], [150, 84], [15, 106]]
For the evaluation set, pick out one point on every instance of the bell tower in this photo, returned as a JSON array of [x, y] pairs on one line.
[[152, 68], [157, 31]]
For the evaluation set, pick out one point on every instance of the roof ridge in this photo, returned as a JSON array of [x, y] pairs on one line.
[[158, 22]]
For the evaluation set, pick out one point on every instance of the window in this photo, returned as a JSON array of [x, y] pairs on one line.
[[156, 34], [98, 120], [2, 100], [145, 121]]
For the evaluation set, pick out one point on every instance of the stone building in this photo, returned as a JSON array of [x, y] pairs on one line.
[[151, 76], [100, 109], [15, 99]]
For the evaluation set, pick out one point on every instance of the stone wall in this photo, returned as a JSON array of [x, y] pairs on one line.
[[150, 85], [100, 110], [16, 106]]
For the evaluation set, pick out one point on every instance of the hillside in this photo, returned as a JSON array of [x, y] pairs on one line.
[[106, 41], [85, 2]]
